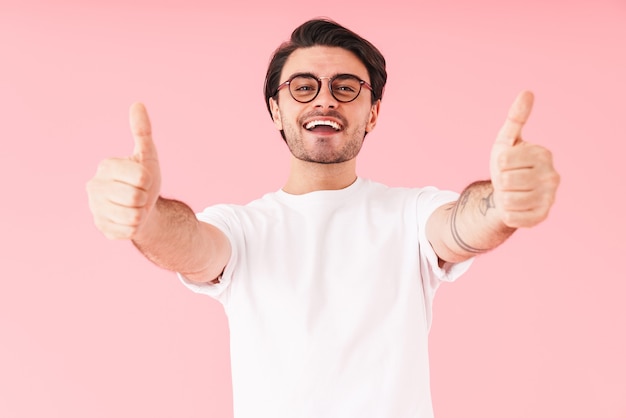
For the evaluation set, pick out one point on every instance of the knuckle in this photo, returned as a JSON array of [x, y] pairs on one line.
[[136, 218], [503, 160], [139, 197], [107, 166], [503, 178], [129, 232], [551, 180], [555, 179], [100, 225], [142, 177], [509, 219], [108, 230], [506, 179], [543, 155], [508, 201], [112, 235]]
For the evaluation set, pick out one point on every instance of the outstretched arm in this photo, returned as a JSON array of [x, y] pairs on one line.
[[125, 203], [520, 193]]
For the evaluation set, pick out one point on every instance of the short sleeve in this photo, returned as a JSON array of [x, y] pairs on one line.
[[428, 201], [224, 218]]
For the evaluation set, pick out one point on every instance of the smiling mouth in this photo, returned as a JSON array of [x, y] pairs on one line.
[[326, 125]]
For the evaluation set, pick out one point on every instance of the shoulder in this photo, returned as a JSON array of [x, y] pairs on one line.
[[384, 192], [234, 214]]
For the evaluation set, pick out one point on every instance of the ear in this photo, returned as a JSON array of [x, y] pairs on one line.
[[276, 114], [371, 123]]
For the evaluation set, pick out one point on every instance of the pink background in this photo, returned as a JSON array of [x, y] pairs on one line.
[[88, 328]]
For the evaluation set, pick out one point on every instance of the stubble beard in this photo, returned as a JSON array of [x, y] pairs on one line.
[[322, 152]]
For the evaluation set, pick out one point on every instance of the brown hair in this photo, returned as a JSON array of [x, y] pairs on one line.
[[324, 32]]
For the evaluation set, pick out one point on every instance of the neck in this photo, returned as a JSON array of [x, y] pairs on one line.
[[306, 177]]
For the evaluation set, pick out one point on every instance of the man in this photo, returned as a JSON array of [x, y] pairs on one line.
[[328, 282]]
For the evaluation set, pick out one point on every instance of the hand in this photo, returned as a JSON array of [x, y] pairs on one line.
[[124, 191], [523, 177]]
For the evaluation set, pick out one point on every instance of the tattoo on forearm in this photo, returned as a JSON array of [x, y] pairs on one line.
[[461, 206], [487, 203]]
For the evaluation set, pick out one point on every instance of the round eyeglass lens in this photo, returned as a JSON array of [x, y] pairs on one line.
[[346, 88], [303, 88]]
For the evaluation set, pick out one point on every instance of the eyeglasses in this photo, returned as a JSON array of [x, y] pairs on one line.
[[304, 88]]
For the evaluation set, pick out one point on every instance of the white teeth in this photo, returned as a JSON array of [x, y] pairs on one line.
[[330, 123]]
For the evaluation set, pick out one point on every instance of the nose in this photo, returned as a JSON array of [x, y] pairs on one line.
[[325, 97]]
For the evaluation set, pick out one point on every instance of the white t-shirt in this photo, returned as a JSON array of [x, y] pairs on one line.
[[328, 297]]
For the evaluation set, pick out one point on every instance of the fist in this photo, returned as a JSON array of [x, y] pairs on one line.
[[522, 174], [123, 192]]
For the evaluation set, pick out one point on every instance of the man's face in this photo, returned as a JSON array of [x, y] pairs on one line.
[[319, 142]]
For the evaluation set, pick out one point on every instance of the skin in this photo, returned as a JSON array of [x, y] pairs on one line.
[[323, 161], [521, 193], [125, 202]]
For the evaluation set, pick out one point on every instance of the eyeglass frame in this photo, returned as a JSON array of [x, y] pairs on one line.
[[319, 86]]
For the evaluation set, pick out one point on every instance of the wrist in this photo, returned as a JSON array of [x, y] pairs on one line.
[[146, 230]]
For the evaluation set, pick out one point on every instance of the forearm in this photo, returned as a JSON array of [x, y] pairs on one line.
[[174, 239], [472, 225]]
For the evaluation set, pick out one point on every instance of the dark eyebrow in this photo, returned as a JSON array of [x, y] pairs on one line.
[[307, 74]]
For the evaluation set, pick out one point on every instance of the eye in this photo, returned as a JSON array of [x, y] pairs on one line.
[[303, 84], [344, 88], [346, 84]]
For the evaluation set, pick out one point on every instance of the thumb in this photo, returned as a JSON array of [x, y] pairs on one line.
[[511, 131], [142, 133]]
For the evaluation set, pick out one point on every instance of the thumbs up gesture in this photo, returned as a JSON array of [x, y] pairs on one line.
[[123, 192], [523, 177]]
